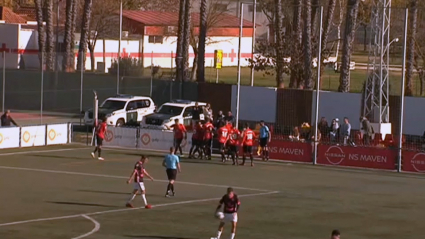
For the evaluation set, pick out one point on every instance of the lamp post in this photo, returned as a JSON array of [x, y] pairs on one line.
[[119, 51]]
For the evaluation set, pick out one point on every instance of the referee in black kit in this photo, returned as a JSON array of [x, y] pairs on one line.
[[172, 164]]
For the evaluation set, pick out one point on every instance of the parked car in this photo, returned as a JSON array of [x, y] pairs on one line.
[[164, 117], [121, 109]]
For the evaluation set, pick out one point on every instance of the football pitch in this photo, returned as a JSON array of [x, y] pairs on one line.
[[61, 192]]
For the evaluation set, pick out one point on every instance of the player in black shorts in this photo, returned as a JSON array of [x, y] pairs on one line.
[[172, 164], [231, 206]]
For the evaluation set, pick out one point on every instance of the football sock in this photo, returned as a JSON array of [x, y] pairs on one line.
[[172, 188], [232, 236], [252, 158], [218, 234], [191, 150], [243, 159], [223, 157], [95, 150], [144, 199], [168, 188], [99, 151], [132, 197]]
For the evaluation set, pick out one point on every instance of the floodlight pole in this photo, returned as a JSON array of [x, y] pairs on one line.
[[319, 63], [95, 116], [254, 13], [403, 80], [239, 65], [119, 51]]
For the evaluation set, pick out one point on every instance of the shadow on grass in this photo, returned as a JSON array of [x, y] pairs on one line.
[[81, 204], [157, 237], [129, 154], [104, 192], [61, 156]]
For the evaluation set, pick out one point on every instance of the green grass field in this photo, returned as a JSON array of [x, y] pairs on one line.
[[60, 192]]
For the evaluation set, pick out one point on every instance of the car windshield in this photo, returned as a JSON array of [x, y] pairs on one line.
[[113, 105], [170, 110]]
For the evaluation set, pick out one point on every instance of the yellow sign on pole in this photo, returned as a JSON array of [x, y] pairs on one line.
[[218, 59]]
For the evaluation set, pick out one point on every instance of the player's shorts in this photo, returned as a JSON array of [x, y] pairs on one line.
[[99, 140], [230, 217], [247, 149], [195, 142], [178, 142], [264, 142], [171, 174], [139, 186]]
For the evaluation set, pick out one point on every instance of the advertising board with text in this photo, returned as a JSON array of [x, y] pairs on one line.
[[9, 137], [161, 140], [362, 157], [120, 136], [57, 134], [288, 151], [33, 136], [413, 161]]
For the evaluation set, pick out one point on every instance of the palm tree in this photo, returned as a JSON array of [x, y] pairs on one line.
[[180, 39], [413, 18], [295, 65], [85, 26], [40, 28], [349, 32], [278, 26], [308, 72], [326, 29], [50, 44], [67, 62], [186, 39], [202, 40]]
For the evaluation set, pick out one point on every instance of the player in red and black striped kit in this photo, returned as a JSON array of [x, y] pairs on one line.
[[231, 206], [100, 135], [138, 174], [248, 137], [208, 135]]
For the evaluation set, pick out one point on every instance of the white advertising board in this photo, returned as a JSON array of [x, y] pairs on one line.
[[33, 136], [9, 137], [57, 134], [119, 136], [161, 140]]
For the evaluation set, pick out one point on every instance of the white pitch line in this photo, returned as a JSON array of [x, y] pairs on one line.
[[95, 229], [40, 151], [123, 177], [129, 209]]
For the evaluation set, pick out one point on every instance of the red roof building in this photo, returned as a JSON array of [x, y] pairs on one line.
[[7, 15], [166, 24]]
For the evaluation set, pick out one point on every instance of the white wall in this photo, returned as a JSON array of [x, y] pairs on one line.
[[339, 105], [414, 116], [10, 37], [28, 40], [256, 103]]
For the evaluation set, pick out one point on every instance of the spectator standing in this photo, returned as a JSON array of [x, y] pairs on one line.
[[323, 127], [219, 119], [196, 114], [367, 130], [208, 112], [6, 119], [230, 118], [334, 130], [345, 131]]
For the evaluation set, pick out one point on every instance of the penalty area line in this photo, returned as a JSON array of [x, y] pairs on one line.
[[86, 215]]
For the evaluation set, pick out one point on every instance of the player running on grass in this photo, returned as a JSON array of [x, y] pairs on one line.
[[172, 164], [138, 174], [231, 206], [247, 141], [223, 133], [100, 135]]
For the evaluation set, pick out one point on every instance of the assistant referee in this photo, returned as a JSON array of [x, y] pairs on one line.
[[172, 163]]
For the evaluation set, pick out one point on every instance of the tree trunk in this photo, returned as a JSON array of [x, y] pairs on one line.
[[308, 58], [50, 44], [40, 29], [365, 37], [278, 26], [67, 38], [201, 46], [326, 30], [74, 23], [349, 32], [295, 65], [341, 16], [413, 18], [180, 40], [85, 23], [195, 66], [186, 41], [91, 47], [315, 8], [421, 81]]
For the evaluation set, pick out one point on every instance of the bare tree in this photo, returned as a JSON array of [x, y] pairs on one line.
[[349, 32], [278, 26], [69, 31], [186, 39], [308, 58], [326, 30], [202, 39], [413, 18], [40, 28], [49, 35], [85, 27], [296, 52], [180, 40]]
